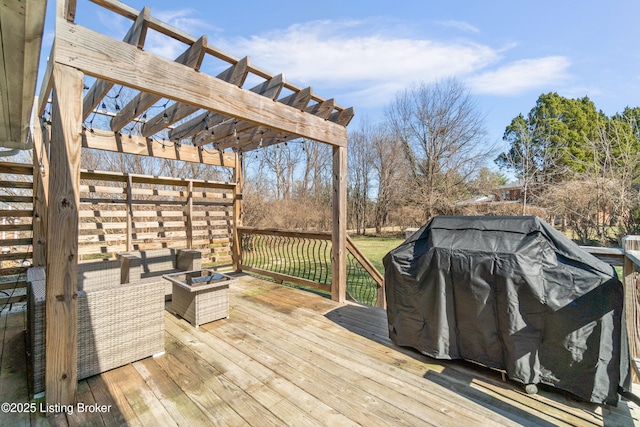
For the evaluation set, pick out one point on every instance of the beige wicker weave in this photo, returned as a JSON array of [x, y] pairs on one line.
[[203, 303], [152, 265], [117, 324]]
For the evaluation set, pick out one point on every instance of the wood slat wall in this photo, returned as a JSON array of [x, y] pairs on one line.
[[159, 215], [16, 230]]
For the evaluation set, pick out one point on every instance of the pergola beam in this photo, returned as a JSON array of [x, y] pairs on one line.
[[115, 142], [102, 57], [192, 57]]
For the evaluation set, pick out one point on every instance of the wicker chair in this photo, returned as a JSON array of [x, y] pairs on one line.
[[117, 324]]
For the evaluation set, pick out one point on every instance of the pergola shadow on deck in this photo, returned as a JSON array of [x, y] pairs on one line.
[[289, 357]]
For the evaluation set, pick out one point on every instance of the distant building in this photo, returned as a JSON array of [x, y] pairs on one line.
[[510, 192]]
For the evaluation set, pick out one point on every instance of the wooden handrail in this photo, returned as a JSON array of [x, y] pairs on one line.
[[613, 256], [320, 235]]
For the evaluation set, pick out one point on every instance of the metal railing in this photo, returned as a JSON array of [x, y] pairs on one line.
[[304, 258]]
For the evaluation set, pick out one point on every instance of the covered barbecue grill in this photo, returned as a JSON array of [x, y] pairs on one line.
[[514, 294]]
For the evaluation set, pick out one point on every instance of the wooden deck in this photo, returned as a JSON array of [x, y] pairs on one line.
[[288, 357]]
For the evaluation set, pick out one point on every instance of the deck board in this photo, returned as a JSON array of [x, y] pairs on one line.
[[287, 357]]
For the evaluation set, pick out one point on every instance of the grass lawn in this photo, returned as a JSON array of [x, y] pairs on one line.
[[375, 248]]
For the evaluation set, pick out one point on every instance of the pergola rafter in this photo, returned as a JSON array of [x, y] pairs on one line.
[[192, 57], [222, 112], [136, 36], [142, 22], [203, 122], [221, 134], [236, 75]]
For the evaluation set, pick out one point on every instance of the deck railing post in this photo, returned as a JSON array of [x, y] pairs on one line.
[[631, 244]]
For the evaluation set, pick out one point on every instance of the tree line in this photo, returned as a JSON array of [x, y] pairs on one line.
[[579, 164], [575, 166]]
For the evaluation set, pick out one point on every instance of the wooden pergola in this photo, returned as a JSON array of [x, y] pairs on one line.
[[233, 119]]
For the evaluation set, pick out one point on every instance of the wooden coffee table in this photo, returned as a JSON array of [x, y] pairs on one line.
[[200, 296]]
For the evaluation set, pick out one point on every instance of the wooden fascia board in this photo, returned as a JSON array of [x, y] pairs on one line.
[[236, 75], [135, 36], [192, 58], [196, 126], [112, 141], [102, 57]]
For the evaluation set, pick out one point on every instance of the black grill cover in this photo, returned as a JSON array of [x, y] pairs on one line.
[[511, 293]]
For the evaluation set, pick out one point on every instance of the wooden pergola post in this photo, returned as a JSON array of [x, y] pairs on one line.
[[129, 195], [339, 231], [40, 193], [62, 237], [188, 211], [236, 245]]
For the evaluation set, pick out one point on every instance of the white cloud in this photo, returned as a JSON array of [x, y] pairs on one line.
[[164, 46], [520, 76], [368, 61], [459, 25], [328, 53], [181, 19]]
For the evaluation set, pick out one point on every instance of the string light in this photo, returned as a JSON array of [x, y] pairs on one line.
[[165, 116]]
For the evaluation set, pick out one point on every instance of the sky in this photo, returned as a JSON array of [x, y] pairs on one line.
[[507, 53]]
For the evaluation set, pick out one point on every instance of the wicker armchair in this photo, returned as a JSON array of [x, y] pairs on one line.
[[117, 324]]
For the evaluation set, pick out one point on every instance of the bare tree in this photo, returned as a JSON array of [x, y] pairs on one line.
[[359, 171], [388, 166], [530, 157], [615, 168], [442, 134]]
